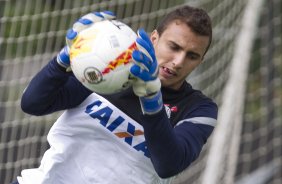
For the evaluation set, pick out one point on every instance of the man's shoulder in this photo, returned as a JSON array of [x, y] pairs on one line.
[[190, 102]]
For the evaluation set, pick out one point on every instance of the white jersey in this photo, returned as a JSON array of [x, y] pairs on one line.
[[94, 143]]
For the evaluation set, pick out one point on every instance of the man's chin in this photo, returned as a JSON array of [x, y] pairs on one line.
[[165, 83]]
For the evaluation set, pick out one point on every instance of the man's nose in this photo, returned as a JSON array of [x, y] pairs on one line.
[[179, 60]]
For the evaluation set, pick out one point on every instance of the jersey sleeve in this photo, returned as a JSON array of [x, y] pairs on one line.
[[52, 89], [173, 149]]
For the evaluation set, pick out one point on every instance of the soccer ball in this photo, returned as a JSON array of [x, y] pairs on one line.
[[100, 56]]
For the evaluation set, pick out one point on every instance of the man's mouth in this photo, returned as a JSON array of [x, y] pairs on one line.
[[167, 72]]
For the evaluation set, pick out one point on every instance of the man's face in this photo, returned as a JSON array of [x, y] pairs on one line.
[[179, 51]]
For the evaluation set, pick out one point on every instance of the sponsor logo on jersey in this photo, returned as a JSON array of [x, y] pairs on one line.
[[118, 125]]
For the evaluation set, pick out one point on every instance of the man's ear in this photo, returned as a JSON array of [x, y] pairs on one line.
[[154, 37]]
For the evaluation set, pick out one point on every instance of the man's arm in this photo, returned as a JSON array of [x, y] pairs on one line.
[[52, 89], [173, 149]]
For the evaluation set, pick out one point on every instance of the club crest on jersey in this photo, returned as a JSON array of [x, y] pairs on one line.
[[170, 109], [118, 125]]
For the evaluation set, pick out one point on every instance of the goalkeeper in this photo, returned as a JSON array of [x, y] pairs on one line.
[[147, 134]]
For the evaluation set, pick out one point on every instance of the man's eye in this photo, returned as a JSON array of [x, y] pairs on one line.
[[192, 56], [174, 47]]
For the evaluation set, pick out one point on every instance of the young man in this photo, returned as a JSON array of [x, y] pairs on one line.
[[146, 134]]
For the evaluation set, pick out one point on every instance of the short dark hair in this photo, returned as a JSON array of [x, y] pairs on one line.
[[195, 18]]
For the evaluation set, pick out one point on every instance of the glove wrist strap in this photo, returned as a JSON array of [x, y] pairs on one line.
[[152, 104], [63, 59]]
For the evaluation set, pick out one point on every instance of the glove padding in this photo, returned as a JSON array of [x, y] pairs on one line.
[[145, 68], [63, 58]]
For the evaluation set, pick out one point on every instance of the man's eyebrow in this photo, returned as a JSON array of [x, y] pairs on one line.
[[174, 44]]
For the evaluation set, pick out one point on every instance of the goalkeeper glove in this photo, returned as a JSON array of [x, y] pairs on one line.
[[145, 68], [63, 58]]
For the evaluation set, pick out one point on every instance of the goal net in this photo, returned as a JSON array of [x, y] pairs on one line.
[[33, 31]]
